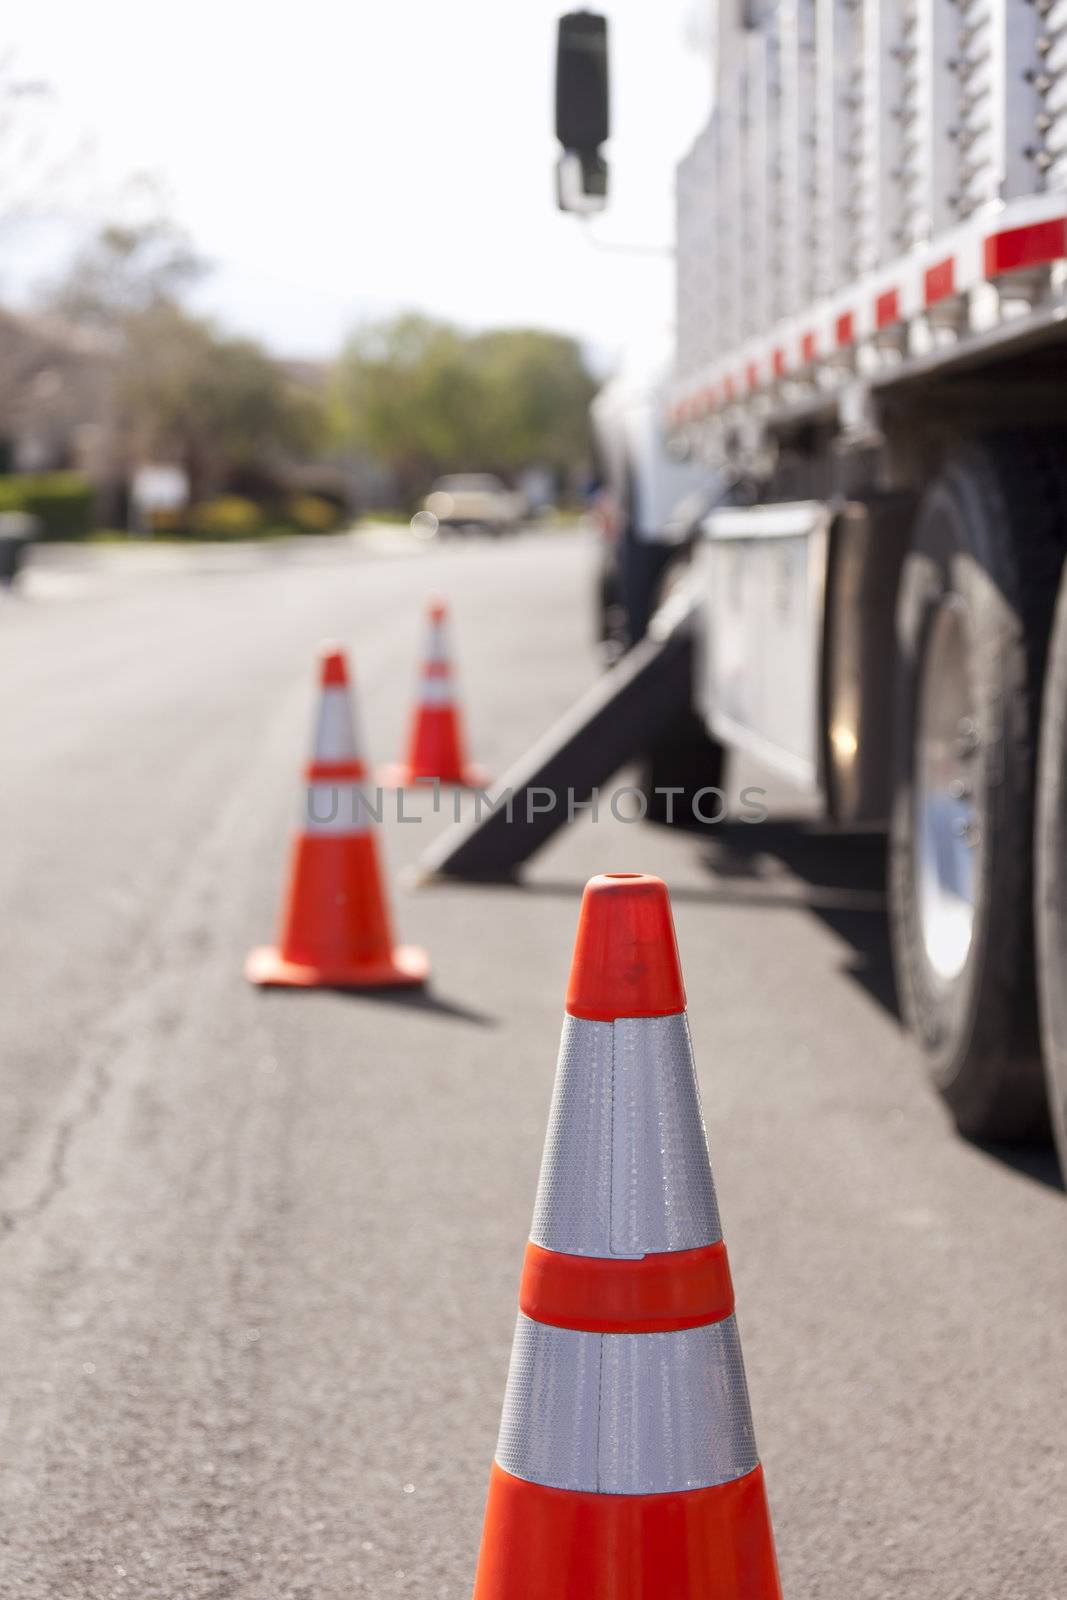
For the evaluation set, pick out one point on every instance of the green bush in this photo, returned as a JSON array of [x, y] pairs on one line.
[[228, 516], [62, 500], [312, 513]]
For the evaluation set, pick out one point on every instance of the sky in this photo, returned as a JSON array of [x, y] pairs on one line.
[[338, 161]]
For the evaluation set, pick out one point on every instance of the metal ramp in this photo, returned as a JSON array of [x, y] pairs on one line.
[[622, 718]]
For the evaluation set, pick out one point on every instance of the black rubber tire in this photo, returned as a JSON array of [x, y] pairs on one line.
[[990, 532], [1050, 876]]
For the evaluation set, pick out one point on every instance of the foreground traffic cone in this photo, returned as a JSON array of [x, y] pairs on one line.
[[626, 1466], [436, 747], [335, 930]]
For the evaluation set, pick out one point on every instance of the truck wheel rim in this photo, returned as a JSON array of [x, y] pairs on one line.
[[947, 830]]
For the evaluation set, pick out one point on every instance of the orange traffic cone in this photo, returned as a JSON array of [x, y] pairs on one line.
[[626, 1465], [436, 747], [335, 930]]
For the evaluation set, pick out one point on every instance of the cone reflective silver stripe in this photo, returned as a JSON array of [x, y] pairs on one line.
[[343, 810], [613, 1413], [336, 738], [626, 1174], [333, 796], [437, 665], [437, 671], [436, 690], [437, 647], [625, 1170]]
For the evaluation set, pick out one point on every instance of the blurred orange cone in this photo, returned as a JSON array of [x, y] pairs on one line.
[[626, 1466], [335, 928], [436, 748]]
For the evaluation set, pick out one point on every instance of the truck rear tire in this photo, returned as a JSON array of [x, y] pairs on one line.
[[973, 618], [1050, 870]]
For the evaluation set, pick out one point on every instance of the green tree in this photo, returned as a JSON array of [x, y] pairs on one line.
[[127, 269], [214, 401], [540, 389], [404, 394], [425, 398], [181, 388]]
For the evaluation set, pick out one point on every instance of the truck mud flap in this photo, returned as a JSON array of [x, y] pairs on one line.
[[617, 721]]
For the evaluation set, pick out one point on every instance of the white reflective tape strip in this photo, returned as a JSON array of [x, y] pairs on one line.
[[343, 809], [627, 1413], [437, 648], [436, 691], [335, 727], [625, 1170]]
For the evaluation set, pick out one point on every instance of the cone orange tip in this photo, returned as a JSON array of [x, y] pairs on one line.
[[437, 609], [626, 956], [334, 667]]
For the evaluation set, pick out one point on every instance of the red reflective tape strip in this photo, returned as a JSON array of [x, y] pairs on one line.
[[1029, 246], [887, 309], [778, 362], [436, 669], [939, 281], [753, 375], [657, 1294], [333, 771], [807, 347], [843, 329]]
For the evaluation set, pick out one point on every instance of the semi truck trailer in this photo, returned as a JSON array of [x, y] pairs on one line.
[[869, 367]]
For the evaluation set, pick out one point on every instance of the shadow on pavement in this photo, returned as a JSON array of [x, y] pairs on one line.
[[1037, 1161], [839, 877], [434, 1005]]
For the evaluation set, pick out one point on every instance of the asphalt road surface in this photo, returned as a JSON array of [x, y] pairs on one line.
[[259, 1251]]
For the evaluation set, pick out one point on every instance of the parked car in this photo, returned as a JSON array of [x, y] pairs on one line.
[[475, 500]]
